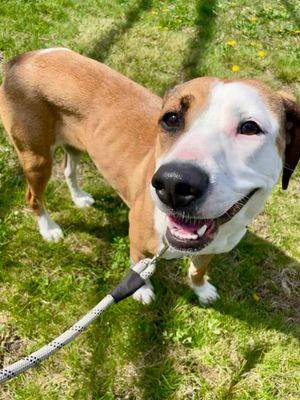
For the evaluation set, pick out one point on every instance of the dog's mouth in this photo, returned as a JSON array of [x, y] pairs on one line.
[[187, 233]]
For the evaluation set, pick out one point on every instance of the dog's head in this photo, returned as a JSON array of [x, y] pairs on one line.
[[220, 151]]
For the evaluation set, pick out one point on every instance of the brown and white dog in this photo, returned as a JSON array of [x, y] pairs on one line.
[[194, 168]]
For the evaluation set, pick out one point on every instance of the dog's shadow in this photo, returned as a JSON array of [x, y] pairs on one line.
[[256, 283], [112, 223], [252, 287]]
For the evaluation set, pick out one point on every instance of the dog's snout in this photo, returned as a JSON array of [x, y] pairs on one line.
[[179, 184]]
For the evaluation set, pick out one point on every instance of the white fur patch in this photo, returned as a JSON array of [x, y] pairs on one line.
[[80, 198], [49, 229], [145, 294], [206, 293], [236, 163]]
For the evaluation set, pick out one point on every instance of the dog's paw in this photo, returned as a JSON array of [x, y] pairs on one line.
[[82, 199], [145, 294], [49, 229], [206, 293]]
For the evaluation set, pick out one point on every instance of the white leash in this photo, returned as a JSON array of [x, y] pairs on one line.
[[135, 279]]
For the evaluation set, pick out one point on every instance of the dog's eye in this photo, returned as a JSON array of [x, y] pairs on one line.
[[171, 121], [250, 128]]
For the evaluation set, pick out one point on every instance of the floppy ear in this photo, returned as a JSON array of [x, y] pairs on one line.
[[292, 132]]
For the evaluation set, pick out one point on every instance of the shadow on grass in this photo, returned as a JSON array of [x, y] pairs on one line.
[[102, 47], [192, 66], [255, 267], [257, 283], [115, 212], [253, 357]]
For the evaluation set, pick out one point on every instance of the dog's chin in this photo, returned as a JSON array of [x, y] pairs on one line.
[[187, 233]]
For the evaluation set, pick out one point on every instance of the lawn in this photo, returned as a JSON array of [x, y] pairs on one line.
[[242, 347]]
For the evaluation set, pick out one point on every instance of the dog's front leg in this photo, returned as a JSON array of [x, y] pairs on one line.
[[204, 290], [145, 294], [143, 243]]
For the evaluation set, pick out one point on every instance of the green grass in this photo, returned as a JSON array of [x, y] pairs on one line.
[[244, 346]]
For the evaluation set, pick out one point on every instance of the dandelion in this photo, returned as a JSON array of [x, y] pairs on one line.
[[256, 297], [261, 54], [253, 19], [231, 42], [235, 68]]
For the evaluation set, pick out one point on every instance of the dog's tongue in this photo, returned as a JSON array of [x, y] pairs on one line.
[[187, 230], [183, 226]]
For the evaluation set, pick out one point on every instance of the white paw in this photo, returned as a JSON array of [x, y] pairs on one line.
[[145, 294], [82, 199], [49, 229], [206, 293]]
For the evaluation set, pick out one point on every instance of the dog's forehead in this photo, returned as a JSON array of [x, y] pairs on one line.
[[245, 99], [198, 90], [245, 95]]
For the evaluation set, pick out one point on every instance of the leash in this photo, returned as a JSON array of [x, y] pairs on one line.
[[133, 281]]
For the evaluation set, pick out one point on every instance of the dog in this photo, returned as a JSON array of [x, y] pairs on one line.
[[194, 167]]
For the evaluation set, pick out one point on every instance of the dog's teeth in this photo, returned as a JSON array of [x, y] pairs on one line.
[[202, 230]]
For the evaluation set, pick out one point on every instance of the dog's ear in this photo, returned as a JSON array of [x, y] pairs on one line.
[[292, 136]]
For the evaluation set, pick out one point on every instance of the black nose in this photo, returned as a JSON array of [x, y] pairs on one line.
[[178, 184]]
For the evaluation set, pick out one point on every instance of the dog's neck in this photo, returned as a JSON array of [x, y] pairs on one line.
[[132, 154]]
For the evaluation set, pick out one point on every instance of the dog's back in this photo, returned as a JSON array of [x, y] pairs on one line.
[[56, 97]]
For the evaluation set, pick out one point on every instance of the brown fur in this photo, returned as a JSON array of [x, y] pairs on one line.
[[198, 268], [66, 98], [291, 129]]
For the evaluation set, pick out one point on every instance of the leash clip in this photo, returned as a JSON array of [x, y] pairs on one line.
[[137, 276]]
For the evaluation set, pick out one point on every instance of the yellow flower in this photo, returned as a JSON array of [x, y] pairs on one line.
[[256, 297], [231, 42], [261, 54], [235, 68], [297, 31], [253, 19]]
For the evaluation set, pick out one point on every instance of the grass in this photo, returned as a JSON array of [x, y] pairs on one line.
[[244, 346]]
